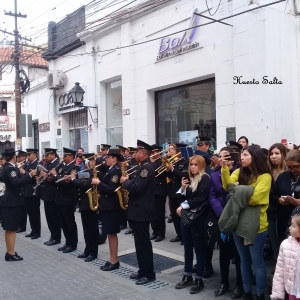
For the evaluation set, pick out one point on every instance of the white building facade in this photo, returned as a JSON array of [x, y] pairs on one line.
[[154, 78]]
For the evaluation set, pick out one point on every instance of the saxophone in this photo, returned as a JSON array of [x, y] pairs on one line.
[[93, 194], [123, 193]]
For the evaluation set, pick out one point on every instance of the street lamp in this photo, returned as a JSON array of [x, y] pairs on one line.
[[77, 93]]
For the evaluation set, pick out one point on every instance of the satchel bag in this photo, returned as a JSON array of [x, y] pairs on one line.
[[190, 217], [211, 230]]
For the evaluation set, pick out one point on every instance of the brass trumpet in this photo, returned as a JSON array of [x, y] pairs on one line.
[[161, 153]]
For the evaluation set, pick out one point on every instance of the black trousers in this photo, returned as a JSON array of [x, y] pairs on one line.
[[23, 219], [174, 204], [124, 217], [53, 219], [89, 221], [34, 213], [68, 224], [228, 251], [143, 247], [159, 225]]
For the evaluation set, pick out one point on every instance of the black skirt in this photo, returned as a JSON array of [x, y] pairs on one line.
[[111, 221], [11, 218]]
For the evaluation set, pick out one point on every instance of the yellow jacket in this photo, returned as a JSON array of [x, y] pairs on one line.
[[262, 187]]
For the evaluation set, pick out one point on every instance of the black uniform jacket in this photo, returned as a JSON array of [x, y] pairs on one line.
[[141, 205], [176, 176], [160, 181], [28, 187], [49, 187], [66, 193], [13, 180], [109, 183], [82, 185]]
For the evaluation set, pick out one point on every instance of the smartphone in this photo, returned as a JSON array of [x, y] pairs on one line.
[[185, 174], [233, 156], [290, 146]]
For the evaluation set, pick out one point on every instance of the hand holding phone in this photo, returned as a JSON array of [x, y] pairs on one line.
[[185, 175]]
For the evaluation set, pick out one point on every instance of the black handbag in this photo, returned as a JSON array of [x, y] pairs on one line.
[[211, 230], [190, 217], [102, 237]]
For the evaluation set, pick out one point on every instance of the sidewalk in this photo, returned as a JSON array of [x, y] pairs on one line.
[[46, 273]]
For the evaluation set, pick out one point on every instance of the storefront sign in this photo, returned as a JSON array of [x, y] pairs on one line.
[[43, 127], [64, 103], [5, 137], [3, 121], [175, 45]]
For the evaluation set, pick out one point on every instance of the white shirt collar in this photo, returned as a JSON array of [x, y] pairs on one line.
[[70, 162]]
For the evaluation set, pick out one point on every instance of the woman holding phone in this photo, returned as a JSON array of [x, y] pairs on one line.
[[195, 192], [287, 189], [227, 248], [254, 171]]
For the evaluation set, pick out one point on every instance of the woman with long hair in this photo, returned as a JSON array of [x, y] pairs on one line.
[[12, 200], [227, 248], [196, 192], [276, 162], [254, 171]]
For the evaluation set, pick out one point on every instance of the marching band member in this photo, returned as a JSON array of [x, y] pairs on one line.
[[141, 211], [89, 218], [48, 193], [12, 200], [160, 193], [32, 202], [104, 150], [66, 199], [110, 206]]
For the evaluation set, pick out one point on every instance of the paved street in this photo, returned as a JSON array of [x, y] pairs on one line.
[[46, 273]]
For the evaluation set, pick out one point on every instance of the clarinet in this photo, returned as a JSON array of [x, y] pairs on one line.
[[43, 180]]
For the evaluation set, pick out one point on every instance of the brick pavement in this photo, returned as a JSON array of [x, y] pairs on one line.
[[46, 273]]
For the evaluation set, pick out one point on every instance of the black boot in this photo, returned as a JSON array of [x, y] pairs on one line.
[[186, 281], [197, 286], [247, 296]]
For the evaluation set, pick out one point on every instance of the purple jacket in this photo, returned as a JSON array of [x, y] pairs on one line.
[[217, 195]]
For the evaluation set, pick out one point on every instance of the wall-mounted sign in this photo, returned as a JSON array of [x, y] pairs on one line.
[[58, 131], [126, 112], [175, 45], [64, 103], [5, 137], [43, 127], [230, 134], [3, 121]]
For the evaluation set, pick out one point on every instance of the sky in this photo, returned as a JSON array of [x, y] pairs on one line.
[[39, 13]]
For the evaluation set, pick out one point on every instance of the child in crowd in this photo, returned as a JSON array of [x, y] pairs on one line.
[[287, 274]]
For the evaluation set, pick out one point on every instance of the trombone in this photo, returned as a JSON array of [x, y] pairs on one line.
[[161, 153], [166, 162]]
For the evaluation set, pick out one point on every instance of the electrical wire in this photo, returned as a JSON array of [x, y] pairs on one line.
[[209, 9]]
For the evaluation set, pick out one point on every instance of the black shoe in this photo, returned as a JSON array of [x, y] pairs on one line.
[[208, 272], [247, 296], [35, 236], [82, 255], [237, 292], [90, 258], [170, 219], [222, 289], [186, 281], [15, 257], [21, 230], [29, 234], [122, 227], [159, 238], [153, 236], [62, 248], [144, 280], [106, 264], [129, 231], [175, 239], [112, 267], [261, 297], [135, 276], [45, 243], [69, 249], [197, 286], [53, 242]]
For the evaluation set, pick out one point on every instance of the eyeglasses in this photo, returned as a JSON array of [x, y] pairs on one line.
[[295, 167]]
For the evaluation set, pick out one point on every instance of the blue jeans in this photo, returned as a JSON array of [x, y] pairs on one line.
[[194, 239], [252, 254]]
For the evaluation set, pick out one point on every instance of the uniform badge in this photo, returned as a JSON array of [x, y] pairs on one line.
[[13, 174], [115, 179], [144, 173], [59, 171]]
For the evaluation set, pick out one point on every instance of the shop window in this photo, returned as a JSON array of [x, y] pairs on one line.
[[3, 108], [114, 121], [184, 112], [78, 129]]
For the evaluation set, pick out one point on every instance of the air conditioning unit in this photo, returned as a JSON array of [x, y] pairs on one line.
[[56, 79]]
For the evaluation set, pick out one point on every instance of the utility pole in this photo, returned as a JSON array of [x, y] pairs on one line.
[[17, 68]]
